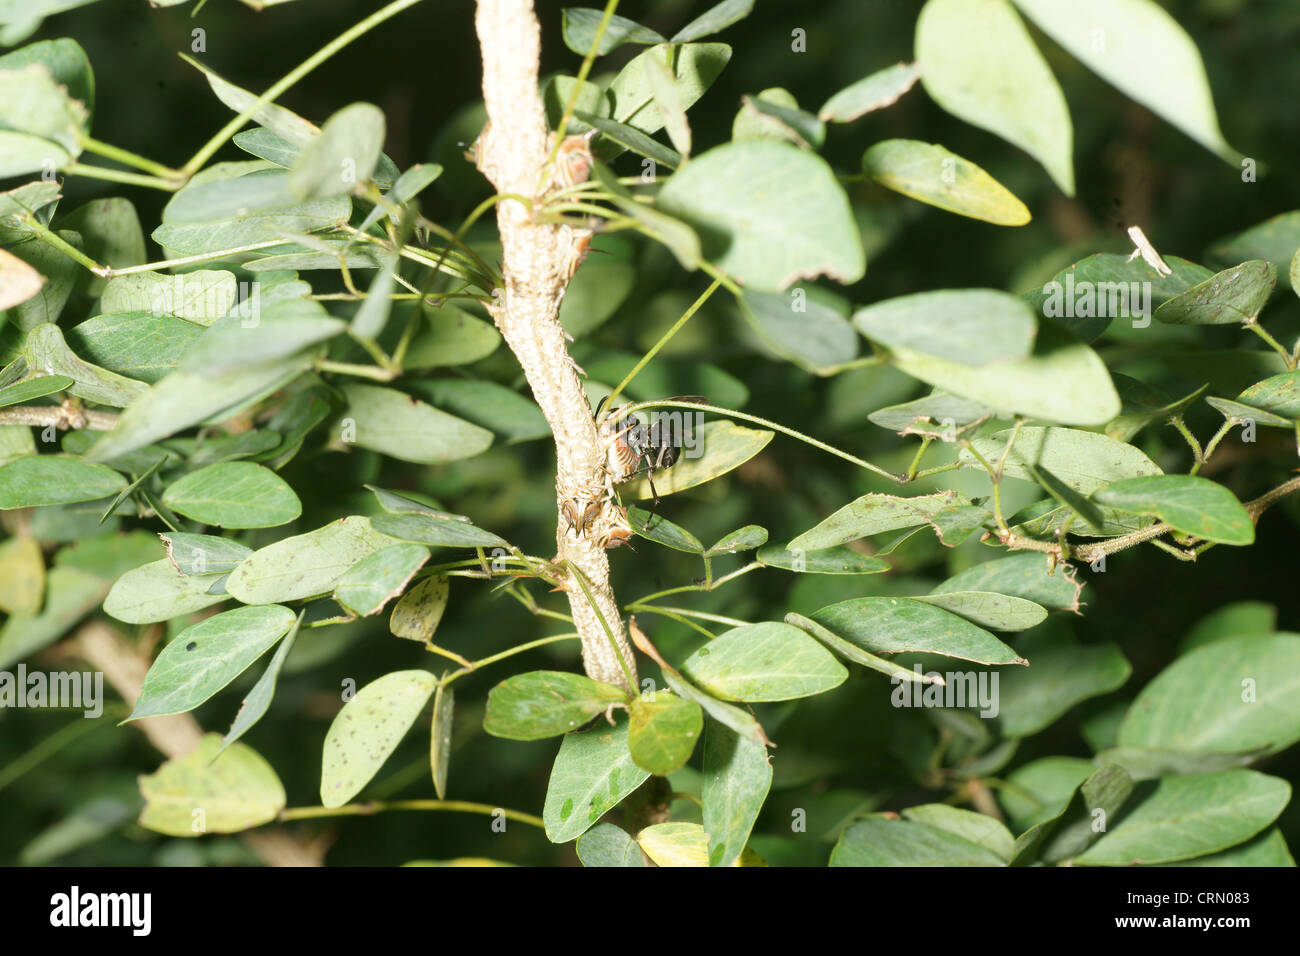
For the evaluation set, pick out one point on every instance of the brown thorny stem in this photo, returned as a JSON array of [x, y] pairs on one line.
[[536, 264]]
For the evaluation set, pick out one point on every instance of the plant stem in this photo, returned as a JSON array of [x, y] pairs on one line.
[[207, 151], [663, 340], [1273, 343], [118, 176], [56, 415], [367, 809], [52, 238], [775, 426], [128, 158]]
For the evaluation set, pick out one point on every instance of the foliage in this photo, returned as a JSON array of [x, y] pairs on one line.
[[258, 429]]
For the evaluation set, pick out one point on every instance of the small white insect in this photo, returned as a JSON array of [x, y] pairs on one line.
[[1147, 252]]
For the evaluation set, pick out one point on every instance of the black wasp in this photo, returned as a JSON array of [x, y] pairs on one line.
[[636, 448]]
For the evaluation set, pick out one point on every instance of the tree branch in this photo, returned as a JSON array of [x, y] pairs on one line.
[[537, 262]]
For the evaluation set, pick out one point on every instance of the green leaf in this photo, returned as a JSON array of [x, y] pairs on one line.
[[880, 841], [55, 480], [378, 578], [305, 565], [931, 174], [851, 652], [976, 827], [713, 20], [1229, 297], [22, 576], [204, 658], [234, 494], [1234, 694], [138, 345], [675, 844], [246, 204], [1061, 673], [1143, 52], [46, 350], [669, 104], [1024, 575], [417, 615], [22, 153], [258, 702], [1274, 401], [391, 422], [158, 592], [436, 531], [64, 58], [1267, 849], [1063, 381], [70, 594], [343, 156], [284, 123], [797, 126], [880, 89], [742, 539], [1071, 825], [1143, 763], [768, 213], [450, 337], [1085, 461], [695, 66], [504, 411], [235, 790], [937, 415], [725, 446], [978, 62], [201, 296], [1088, 295], [1236, 619], [662, 731], [542, 704], [368, 729], [1275, 239], [762, 662], [111, 233], [883, 625], [872, 514], [1190, 816], [580, 25], [1069, 498], [33, 102], [245, 337], [988, 609], [806, 324], [607, 845], [968, 326], [737, 778], [753, 122], [1187, 503], [444, 708], [822, 561], [592, 773], [729, 715], [1042, 789], [183, 399], [659, 529]]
